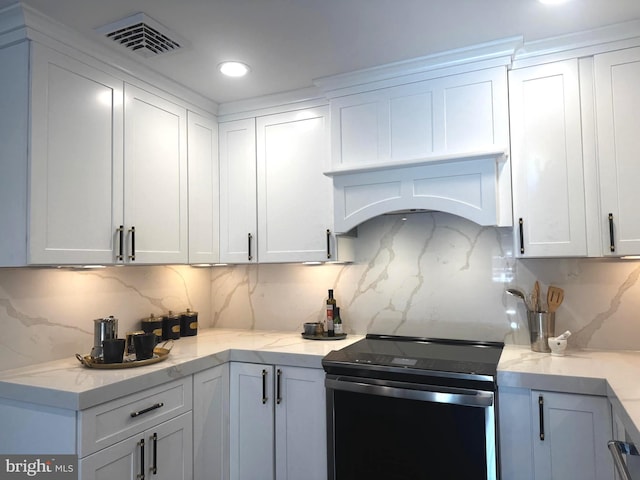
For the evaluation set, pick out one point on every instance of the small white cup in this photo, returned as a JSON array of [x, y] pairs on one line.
[[557, 346]]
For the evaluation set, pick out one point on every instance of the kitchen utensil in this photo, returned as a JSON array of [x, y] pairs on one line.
[[152, 324], [557, 345], [542, 326], [518, 293], [130, 348], [555, 296], [113, 350], [188, 323], [310, 328], [535, 298], [144, 344], [103, 329], [171, 326]]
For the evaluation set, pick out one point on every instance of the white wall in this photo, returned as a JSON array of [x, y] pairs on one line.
[[432, 275]]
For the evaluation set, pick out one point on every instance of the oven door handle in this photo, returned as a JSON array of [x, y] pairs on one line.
[[475, 398]]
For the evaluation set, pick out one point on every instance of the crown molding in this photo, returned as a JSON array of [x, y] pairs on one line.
[[580, 44], [269, 104], [476, 57], [20, 22]]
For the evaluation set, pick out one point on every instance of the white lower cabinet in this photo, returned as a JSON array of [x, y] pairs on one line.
[[277, 420], [145, 435], [211, 424], [162, 453], [554, 436]]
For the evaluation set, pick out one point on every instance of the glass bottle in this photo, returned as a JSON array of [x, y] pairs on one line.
[[337, 322], [331, 303]]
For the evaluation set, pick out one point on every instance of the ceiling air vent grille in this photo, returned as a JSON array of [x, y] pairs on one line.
[[141, 34]]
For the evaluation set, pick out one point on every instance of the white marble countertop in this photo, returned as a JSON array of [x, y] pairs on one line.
[[69, 385], [614, 374]]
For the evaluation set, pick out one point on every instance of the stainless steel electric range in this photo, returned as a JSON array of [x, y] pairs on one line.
[[412, 408]]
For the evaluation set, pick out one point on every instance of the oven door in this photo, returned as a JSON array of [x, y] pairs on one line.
[[398, 430]]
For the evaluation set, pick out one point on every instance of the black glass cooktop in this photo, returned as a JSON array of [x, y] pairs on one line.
[[389, 353]]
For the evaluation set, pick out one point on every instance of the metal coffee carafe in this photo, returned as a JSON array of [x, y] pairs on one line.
[[103, 329]]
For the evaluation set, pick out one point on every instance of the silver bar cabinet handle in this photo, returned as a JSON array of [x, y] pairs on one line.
[[328, 243], [249, 238]]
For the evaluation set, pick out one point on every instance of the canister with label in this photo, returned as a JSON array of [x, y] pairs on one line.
[[171, 326], [189, 323], [153, 324]]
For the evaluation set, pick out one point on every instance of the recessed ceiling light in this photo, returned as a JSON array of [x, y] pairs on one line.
[[553, 2], [234, 69]]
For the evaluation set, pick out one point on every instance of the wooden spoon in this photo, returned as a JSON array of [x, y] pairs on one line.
[[555, 295], [535, 297]]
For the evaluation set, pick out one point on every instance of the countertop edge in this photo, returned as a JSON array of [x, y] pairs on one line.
[[600, 373], [189, 356]]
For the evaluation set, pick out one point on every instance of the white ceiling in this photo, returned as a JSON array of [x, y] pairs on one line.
[[288, 43]]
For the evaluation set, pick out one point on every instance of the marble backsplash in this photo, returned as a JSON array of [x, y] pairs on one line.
[[428, 274]]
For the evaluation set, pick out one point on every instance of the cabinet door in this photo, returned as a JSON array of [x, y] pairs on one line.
[[155, 178], [571, 435], [76, 161], [295, 206], [452, 114], [122, 461], [163, 452], [238, 217], [617, 75], [170, 449], [515, 421], [301, 425], [204, 198], [211, 430], [546, 147], [251, 421]]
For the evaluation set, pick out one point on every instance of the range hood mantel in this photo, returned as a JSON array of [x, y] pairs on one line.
[[474, 185]]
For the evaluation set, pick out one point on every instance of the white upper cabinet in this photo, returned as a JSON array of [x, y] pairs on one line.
[[98, 167], [617, 76], [295, 207], [238, 216], [76, 161], [455, 114], [204, 198], [547, 162], [155, 178], [275, 203]]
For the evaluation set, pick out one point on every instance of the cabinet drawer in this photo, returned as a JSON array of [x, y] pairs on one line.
[[111, 422]]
